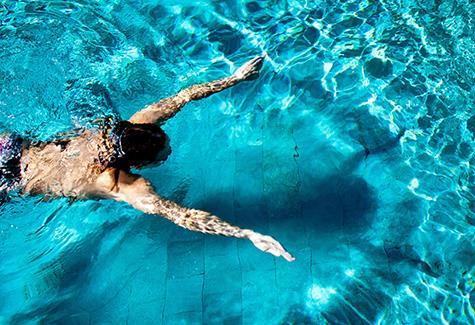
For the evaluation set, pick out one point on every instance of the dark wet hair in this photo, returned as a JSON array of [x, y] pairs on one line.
[[11, 146], [139, 144]]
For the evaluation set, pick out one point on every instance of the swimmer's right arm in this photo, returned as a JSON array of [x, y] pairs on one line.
[[139, 193], [168, 107]]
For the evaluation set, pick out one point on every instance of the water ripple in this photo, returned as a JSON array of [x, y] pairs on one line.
[[362, 124]]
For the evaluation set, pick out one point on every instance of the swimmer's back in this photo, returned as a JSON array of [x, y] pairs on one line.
[[65, 167]]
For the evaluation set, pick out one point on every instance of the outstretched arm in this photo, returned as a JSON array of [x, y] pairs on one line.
[[139, 193], [168, 107]]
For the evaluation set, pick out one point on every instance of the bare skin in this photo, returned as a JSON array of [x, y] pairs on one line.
[[78, 169]]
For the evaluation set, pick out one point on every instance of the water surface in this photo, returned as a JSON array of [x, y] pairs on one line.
[[354, 149]]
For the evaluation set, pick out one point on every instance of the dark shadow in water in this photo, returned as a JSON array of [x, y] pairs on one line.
[[334, 201], [344, 202]]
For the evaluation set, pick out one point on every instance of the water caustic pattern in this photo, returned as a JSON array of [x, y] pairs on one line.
[[354, 149]]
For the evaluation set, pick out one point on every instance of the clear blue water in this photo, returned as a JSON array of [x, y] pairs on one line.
[[354, 149]]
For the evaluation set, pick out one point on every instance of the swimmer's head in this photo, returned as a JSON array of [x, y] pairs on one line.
[[142, 144]]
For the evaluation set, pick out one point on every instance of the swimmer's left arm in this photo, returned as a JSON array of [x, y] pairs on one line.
[[168, 107], [139, 193]]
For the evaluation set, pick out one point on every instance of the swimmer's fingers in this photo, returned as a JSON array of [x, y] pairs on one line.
[[269, 245], [250, 69]]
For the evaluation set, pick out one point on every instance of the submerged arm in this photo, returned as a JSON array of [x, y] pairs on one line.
[[168, 107], [139, 193]]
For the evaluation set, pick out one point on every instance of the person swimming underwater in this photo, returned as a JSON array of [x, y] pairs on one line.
[[96, 163]]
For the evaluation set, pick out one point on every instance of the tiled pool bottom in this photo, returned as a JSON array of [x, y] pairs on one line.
[[352, 266], [354, 149]]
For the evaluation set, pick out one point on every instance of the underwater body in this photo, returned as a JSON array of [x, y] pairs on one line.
[[354, 149]]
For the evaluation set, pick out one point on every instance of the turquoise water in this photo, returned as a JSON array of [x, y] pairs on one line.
[[354, 149]]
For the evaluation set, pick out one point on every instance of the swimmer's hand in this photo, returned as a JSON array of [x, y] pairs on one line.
[[268, 245], [250, 69]]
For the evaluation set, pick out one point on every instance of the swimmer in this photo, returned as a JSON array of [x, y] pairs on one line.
[[96, 163]]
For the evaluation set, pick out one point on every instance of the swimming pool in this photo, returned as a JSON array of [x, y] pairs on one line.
[[354, 149]]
